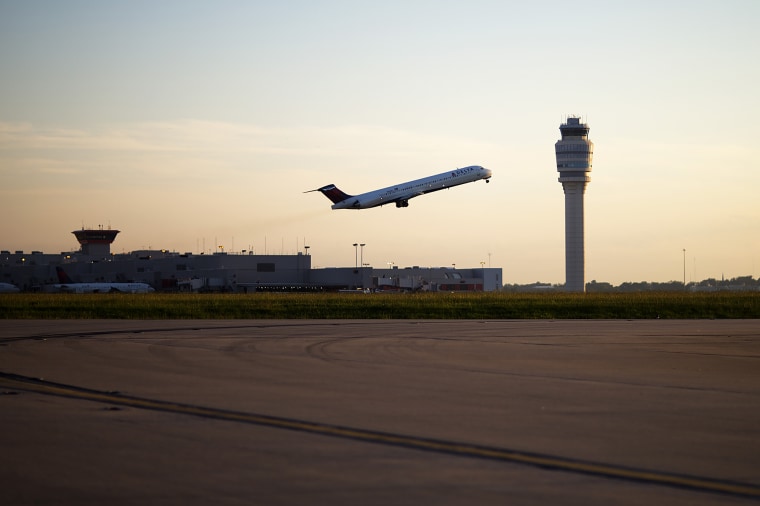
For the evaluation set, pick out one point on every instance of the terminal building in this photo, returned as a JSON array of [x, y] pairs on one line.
[[243, 272]]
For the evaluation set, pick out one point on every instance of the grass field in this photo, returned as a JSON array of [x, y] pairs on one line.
[[489, 305]]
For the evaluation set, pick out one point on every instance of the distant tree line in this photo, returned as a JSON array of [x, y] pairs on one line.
[[742, 283]]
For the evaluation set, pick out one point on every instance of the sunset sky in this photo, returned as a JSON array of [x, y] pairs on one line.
[[191, 125]]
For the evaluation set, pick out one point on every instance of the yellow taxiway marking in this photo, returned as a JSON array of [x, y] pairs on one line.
[[419, 443]]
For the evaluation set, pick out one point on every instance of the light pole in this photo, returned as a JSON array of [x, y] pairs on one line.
[[684, 267], [362, 255], [307, 249], [356, 255]]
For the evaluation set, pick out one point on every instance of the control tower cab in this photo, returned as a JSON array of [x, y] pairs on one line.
[[96, 242]]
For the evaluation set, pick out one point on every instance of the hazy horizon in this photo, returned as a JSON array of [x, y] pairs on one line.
[[192, 124]]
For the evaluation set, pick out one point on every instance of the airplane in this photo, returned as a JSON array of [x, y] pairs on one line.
[[400, 194], [8, 288], [67, 285]]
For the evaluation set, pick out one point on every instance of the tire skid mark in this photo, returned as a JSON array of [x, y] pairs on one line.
[[193, 328], [545, 461], [395, 351], [322, 350]]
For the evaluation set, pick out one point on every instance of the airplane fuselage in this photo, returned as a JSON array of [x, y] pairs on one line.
[[8, 288], [401, 193], [68, 285], [104, 287]]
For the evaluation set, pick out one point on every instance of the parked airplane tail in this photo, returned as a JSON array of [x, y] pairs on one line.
[[333, 193], [62, 276]]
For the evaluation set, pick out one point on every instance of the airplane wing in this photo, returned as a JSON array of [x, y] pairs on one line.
[[406, 198], [403, 200]]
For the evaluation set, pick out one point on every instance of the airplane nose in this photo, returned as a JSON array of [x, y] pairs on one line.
[[488, 172]]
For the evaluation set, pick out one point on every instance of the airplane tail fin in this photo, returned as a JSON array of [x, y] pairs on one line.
[[333, 193], [62, 276]]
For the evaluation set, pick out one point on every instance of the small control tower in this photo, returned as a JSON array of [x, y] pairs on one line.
[[574, 154], [97, 242]]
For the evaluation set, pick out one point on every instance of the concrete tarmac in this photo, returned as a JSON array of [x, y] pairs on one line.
[[379, 412]]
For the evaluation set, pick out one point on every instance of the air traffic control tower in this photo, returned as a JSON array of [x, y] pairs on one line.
[[96, 242], [574, 153]]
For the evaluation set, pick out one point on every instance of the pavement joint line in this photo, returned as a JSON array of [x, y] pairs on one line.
[[696, 483]]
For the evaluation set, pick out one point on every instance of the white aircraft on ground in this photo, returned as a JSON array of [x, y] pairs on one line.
[[8, 288], [67, 285], [401, 193]]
